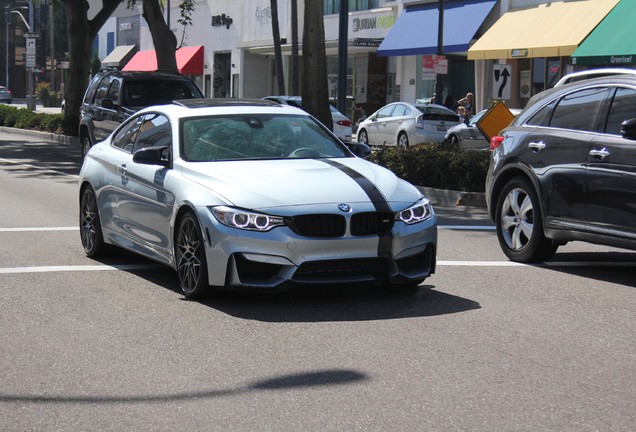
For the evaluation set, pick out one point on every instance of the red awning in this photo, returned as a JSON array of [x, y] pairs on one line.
[[189, 61]]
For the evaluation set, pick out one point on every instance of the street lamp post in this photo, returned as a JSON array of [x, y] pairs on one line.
[[7, 16]]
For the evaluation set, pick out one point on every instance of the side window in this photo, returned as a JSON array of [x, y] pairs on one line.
[[400, 110], [126, 136], [543, 116], [92, 89], [386, 111], [155, 131], [102, 90], [579, 110], [113, 92], [623, 108]]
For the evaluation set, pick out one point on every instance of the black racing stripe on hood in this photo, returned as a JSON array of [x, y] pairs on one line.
[[385, 245]]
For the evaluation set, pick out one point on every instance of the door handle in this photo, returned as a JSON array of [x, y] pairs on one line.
[[600, 153], [536, 146], [122, 169]]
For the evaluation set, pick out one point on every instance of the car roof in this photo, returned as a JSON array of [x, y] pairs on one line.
[[594, 73], [144, 75], [204, 106]]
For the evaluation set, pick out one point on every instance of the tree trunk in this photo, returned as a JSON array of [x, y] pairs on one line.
[[164, 40], [315, 86], [294, 53], [278, 55], [81, 34]]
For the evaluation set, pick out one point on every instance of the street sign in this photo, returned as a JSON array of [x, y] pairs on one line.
[[30, 35], [497, 118], [502, 81], [30, 53]]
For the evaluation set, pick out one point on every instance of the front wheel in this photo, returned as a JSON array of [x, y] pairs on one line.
[[86, 144], [192, 269], [90, 225], [519, 223]]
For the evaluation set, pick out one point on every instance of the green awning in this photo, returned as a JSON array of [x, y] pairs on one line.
[[613, 41]]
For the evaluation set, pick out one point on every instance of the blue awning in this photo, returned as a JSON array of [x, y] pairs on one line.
[[415, 31]]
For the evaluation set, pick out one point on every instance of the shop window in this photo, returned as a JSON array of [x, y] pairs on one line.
[[331, 7]]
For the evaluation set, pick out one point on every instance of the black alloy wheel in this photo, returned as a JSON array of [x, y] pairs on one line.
[[190, 255], [90, 224]]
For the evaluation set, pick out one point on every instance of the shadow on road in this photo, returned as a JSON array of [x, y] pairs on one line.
[[330, 377], [42, 155], [613, 267]]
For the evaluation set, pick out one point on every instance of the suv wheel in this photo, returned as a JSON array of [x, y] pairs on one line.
[[86, 144], [519, 223]]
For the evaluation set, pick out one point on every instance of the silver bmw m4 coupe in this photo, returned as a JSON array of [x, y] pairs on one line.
[[249, 194]]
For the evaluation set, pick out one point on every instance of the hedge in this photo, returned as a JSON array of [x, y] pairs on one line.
[[23, 118], [436, 166]]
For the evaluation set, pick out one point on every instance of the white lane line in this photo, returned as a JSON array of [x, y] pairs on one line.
[[46, 170], [32, 229], [467, 227], [76, 268], [129, 267]]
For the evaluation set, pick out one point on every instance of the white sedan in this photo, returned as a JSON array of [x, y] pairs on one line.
[[251, 194], [403, 124]]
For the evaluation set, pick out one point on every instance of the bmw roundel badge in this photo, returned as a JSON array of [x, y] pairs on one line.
[[345, 208]]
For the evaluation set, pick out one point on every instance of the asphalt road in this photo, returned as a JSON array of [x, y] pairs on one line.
[[482, 345]]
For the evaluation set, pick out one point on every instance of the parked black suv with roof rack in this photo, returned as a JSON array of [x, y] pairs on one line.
[[113, 96]]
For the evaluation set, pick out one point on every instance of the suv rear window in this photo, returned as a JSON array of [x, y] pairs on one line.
[[147, 93]]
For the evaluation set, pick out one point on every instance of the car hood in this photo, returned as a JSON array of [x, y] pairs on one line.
[[261, 185]]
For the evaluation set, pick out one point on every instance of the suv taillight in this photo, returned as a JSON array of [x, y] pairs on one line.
[[496, 142]]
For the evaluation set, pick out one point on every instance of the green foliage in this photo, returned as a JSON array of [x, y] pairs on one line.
[[23, 118], [436, 166]]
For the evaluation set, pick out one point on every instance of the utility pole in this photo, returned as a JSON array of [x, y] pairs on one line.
[[343, 40], [439, 85]]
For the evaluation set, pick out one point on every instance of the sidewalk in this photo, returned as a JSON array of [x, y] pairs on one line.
[[22, 103]]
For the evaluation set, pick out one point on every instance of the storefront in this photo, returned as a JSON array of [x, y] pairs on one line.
[[414, 39], [529, 49], [613, 41]]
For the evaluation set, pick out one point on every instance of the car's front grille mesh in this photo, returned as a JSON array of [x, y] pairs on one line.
[[371, 223], [352, 269], [334, 225]]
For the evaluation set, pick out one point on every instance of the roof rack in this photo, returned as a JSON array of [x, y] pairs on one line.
[[216, 102]]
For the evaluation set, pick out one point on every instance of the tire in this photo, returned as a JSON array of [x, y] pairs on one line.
[[519, 223], [90, 225], [454, 142], [363, 137], [403, 140], [192, 270], [86, 144]]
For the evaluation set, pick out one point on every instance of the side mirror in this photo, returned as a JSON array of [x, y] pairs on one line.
[[153, 156], [628, 129], [360, 149], [108, 104]]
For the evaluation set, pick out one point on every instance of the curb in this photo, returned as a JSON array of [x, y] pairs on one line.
[[450, 198], [54, 138]]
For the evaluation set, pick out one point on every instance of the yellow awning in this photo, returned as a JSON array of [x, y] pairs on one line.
[[548, 30]]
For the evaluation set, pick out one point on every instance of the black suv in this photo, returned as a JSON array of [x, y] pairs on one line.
[[113, 96], [565, 170]]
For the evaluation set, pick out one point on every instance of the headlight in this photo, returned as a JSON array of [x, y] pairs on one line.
[[415, 214], [243, 219]]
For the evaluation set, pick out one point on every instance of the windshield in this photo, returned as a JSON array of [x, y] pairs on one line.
[[256, 136]]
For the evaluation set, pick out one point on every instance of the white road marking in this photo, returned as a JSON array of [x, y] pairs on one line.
[[50, 269], [33, 229], [468, 227], [13, 162]]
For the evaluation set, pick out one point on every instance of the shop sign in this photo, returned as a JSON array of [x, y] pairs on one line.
[[222, 21], [515, 53], [367, 42]]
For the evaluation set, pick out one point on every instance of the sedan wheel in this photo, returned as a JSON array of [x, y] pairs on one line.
[[90, 225], [519, 224], [403, 140], [190, 253], [363, 137]]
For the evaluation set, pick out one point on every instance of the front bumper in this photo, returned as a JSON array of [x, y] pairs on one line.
[[278, 258]]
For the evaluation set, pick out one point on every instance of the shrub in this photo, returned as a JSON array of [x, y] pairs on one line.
[[436, 166], [23, 118]]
